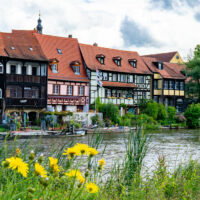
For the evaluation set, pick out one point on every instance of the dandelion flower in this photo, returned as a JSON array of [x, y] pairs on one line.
[[53, 162], [91, 187], [102, 163], [92, 152], [77, 174], [82, 148], [19, 165], [71, 152], [40, 170]]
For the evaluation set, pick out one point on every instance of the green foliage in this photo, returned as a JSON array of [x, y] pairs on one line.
[[62, 113], [193, 73], [192, 114], [162, 113], [152, 109], [143, 104], [110, 111], [18, 125], [95, 119], [171, 111], [76, 124], [123, 105]]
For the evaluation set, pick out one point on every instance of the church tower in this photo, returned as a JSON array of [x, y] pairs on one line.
[[39, 26]]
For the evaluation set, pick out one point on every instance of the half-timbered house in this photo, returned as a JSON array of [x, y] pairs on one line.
[[123, 75]]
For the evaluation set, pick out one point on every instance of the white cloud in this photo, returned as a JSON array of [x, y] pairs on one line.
[[100, 21]]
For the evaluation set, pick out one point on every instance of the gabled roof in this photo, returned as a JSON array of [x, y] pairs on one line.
[[89, 53], [70, 52], [163, 57], [170, 70], [18, 43]]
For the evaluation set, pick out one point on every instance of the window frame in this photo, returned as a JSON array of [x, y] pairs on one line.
[[70, 86], [56, 91], [1, 67], [83, 90]]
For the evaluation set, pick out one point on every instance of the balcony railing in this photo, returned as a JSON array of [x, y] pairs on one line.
[[25, 78], [26, 103]]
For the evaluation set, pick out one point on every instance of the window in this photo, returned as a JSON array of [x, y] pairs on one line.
[[181, 85], [140, 79], [155, 84], [133, 63], [177, 85], [13, 91], [55, 68], [100, 58], [144, 95], [59, 51], [179, 105], [119, 93], [1, 68], [13, 69], [43, 70], [30, 48], [160, 66], [117, 61], [81, 90], [156, 99], [1, 93], [76, 69], [34, 71], [31, 92], [114, 77], [171, 85], [114, 93], [108, 92], [24, 70], [130, 78], [122, 78], [69, 90], [13, 48], [56, 89], [105, 76], [166, 85]]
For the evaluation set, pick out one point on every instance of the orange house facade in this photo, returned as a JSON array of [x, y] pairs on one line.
[[68, 85]]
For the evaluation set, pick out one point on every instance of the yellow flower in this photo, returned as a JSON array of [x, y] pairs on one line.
[[91, 187], [71, 152], [92, 151], [19, 165], [53, 162], [82, 148], [40, 170], [18, 151], [77, 174], [102, 163]]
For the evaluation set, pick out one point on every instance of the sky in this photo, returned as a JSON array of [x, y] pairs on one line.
[[145, 26]]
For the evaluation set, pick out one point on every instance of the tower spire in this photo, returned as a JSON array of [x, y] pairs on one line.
[[39, 25]]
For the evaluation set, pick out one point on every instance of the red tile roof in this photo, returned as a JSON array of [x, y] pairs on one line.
[[118, 84], [163, 57], [90, 52], [70, 52], [170, 70], [21, 41]]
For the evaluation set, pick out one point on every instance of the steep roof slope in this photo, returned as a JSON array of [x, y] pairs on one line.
[[163, 57], [21, 44], [70, 52], [90, 52], [170, 70]]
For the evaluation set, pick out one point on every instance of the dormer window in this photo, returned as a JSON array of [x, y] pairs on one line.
[[75, 67], [100, 58], [160, 66], [30, 48], [54, 65], [1, 68], [117, 61], [133, 62], [13, 48], [59, 51]]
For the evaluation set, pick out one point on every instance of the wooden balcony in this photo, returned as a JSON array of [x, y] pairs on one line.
[[17, 78], [25, 103]]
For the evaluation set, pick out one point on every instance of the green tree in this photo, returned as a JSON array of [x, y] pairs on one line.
[[152, 109], [162, 113], [171, 111], [192, 114], [193, 74]]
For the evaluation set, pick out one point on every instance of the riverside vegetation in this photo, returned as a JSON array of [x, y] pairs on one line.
[[76, 171]]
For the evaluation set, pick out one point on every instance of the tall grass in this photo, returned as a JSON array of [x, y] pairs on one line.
[[122, 181]]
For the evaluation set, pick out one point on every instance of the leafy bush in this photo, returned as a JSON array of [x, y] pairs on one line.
[[171, 111], [152, 109], [110, 111], [95, 119], [180, 118], [76, 124], [192, 114], [162, 113]]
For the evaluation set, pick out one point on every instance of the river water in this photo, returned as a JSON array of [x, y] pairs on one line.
[[178, 146]]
